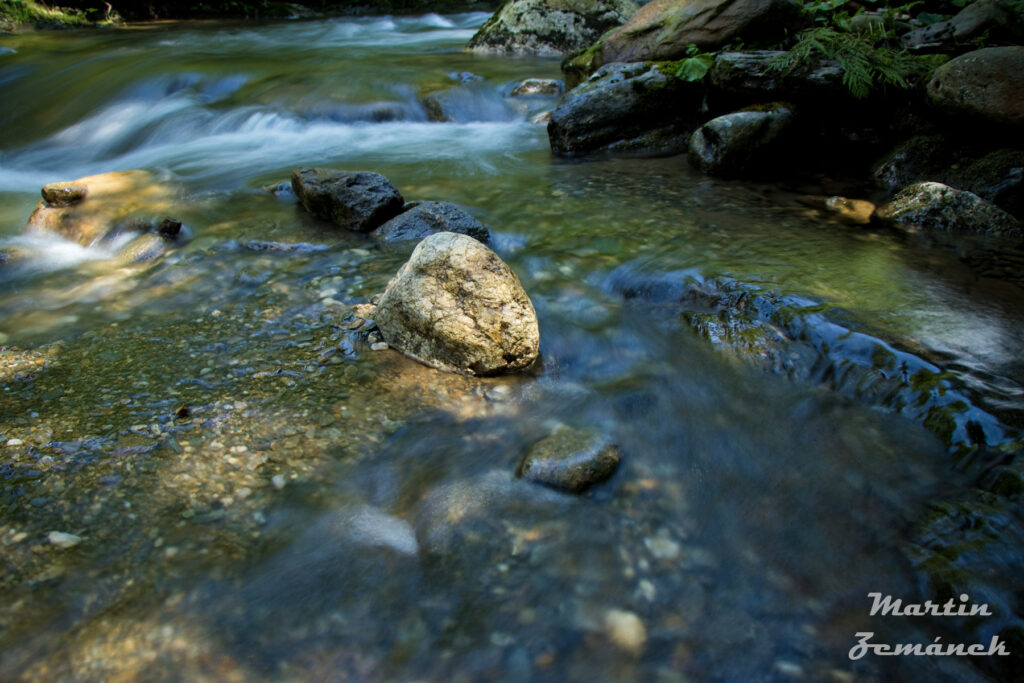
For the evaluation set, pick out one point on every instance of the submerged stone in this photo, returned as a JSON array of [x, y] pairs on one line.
[[570, 459], [456, 306]]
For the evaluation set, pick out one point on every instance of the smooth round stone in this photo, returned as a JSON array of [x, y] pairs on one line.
[[571, 460]]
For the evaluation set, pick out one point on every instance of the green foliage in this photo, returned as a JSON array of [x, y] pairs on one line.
[[695, 66], [864, 65], [28, 12]]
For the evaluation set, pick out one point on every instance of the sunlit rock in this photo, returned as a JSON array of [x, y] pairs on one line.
[[456, 306], [544, 87], [90, 209], [549, 27], [356, 200], [626, 631], [856, 211]]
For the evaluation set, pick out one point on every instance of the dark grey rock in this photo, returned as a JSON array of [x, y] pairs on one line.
[[427, 218], [984, 86], [750, 76], [989, 20], [356, 200], [570, 459], [635, 108], [741, 143], [64, 194]]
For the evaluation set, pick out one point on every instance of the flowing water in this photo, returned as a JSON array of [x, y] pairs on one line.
[[260, 496]]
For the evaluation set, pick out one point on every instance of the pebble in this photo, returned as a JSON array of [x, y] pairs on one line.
[[626, 631], [63, 539], [379, 346], [15, 442], [278, 481], [662, 548]]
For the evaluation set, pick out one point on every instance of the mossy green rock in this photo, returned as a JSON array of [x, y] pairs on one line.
[[571, 460], [549, 27], [934, 207]]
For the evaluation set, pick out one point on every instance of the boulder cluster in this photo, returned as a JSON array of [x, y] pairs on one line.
[[938, 125]]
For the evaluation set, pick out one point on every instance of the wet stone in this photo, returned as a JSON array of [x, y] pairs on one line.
[[64, 194], [570, 459]]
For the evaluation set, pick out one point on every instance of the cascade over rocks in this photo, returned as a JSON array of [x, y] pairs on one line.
[[630, 108], [549, 27], [456, 306], [356, 200]]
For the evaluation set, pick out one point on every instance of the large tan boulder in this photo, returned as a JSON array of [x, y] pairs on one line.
[[663, 29], [456, 306], [987, 85], [89, 209]]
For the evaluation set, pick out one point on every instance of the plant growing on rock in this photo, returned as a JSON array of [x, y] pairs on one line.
[[696, 64]]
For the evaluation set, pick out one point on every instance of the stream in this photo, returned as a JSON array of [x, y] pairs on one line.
[[258, 495]]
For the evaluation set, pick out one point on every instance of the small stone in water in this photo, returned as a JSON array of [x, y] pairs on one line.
[[63, 539], [14, 442], [278, 481], [379, 346], [662, 548], [626, 631]]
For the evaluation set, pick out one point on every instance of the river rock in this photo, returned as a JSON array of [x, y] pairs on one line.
[[570, 459], [427, 218], [985, 85], [855, 211], [633, 108], [664, 29], [456, 306], [748, 76], [741, 143], [356, 200], [994, 175], [544, 87], [992, 21], [934, 207], [143, 249], [91, 209], [549, 27]]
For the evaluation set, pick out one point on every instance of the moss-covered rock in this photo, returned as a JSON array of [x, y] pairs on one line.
[[549, 27], [984, 86], [570, 459], [934, 207]]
